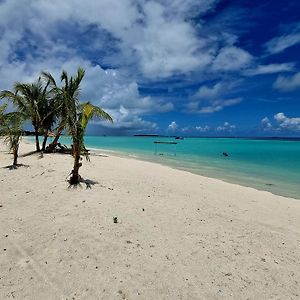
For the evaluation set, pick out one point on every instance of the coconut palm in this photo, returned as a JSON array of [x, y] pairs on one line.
[[11, 131], [61, 101], [30, 98], [74, 116], [48, 114], [77, 124]]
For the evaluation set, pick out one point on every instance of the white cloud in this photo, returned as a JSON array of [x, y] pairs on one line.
[[157, 37], [188, 7], [197, 129], [211, 105], [210, 92], [270, 69], [126, 120], [279, 44], [227, 127], [287, 83], [185, 129], [173, 126], [152, 39], [285, 123], [217, 90], [202, 128], [282, 123], [209, 99], [166, 45], [231, 59], [266, 124], [115, 89]]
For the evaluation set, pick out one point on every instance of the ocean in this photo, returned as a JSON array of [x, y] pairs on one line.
[[271, 164]]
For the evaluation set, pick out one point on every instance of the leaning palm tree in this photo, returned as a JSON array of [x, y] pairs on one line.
[[11, 131], [76, 126], [29, 98], [48, 114], [60, 104], [75, 115]]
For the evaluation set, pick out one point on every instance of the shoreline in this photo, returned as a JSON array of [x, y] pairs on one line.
[[230, 180], [179, 235], [259, 186]]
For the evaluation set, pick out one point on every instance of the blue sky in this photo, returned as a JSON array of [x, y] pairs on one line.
[[184, 67]]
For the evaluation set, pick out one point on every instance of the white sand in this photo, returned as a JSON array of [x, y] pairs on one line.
[[179, 235]]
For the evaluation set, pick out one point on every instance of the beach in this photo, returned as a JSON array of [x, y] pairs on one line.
[[177, 235]]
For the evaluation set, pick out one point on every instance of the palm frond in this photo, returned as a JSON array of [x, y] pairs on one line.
[[90, 111], [49, 78]]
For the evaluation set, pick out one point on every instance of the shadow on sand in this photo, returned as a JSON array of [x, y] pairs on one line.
[[28, 153], [88, 183], [14, 167]]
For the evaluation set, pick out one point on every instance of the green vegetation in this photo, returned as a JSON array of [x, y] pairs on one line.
[[30, 99], [46, 105], [11, 130]]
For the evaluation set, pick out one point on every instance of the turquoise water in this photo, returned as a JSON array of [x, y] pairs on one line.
[[272, 165]]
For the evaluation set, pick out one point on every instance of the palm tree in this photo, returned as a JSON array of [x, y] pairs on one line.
[[2, 110], [48, 114], [76, 126], [11, 131], [30, 98], [61, 103], [74, 116]]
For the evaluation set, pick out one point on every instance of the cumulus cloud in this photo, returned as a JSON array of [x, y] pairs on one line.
[[231, 59], [286, 123], [165, 45], [173, 126], [202, 128], [124, 45], [196, 129], [287, 83], [210, 91], [282, 123], [137, 40], [158, 37], [266, 124], [115, 89], [226, 127], [127, 121]]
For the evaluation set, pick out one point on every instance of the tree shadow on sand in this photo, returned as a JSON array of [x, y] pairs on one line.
[[88, 184], [38, 154], [14, 167], [28, 154]]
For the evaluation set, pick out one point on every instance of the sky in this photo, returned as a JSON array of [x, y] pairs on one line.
[[176, 67]]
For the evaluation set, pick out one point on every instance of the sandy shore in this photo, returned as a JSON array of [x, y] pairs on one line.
[[178, 236]]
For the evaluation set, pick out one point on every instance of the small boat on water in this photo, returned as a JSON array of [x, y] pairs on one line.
[[179, 138]]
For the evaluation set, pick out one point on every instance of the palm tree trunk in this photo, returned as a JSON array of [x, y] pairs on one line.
[[45, 140], [37, 143], [15, 151], [75, 178], [53, 144]]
